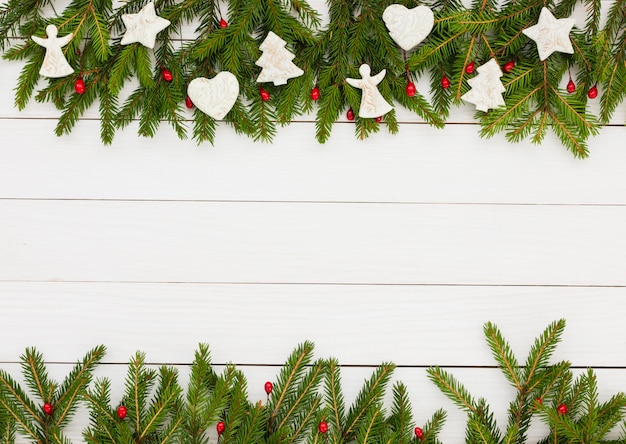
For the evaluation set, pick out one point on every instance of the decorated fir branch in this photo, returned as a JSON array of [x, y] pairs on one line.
[[304, 404], [40, 414], [276, 62]]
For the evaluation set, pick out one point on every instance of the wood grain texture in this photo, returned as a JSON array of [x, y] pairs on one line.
[[420, 164], [312, 243], [414, 326]]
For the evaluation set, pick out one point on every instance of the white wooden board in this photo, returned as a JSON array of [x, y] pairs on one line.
[[397, 248]]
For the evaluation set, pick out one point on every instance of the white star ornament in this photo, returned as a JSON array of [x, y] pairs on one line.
[[551, 34], [143, 26]]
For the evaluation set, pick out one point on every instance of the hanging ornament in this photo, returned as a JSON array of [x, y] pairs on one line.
[[419, 433], [188, 102], [315, 94], [571, 86], [562, 409], [323, 427], [470, 67], [276, 61], [223, 23], [350, 115], [220, 427], [214, 97], [166, 75], [79, 86], [143, 26], [551, 34], [268, 387], [445, 82], [410, 89], [408, 27], [487, 89], [54, 64], [373, 104], [121, 412], [265, 95], [593, 92], [508, 66], [47, 408]]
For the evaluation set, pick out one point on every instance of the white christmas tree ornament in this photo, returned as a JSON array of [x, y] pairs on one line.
[[551, 34], [214, 97], [487, 89], [373, 104], [408, 27], [54, 64], [276, 61], [143, 26]]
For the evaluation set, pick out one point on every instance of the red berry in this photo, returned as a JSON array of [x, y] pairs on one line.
[[539, 400], [220, 427], [379, 119], [79, 86], [419, 433], [410, 89], [265, 96], [121, 412], [166, 75], [323, 427], [350, 115], [562, 409], [470, 68], [571, 86], [47, 408], [188, 102], [593, 92], [315, 94], [268, 387], [223, 23], [508, 66], [445, 82]]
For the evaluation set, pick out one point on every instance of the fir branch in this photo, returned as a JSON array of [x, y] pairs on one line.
[[502, 353], [401, 419], [452, 388], [367, 400]]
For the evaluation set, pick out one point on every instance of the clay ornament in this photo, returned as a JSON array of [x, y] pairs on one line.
[[551, 34], [54, 64], [373, 104], [487, 89], [408, 27], [276, 61], [143, 26], [214, 97]]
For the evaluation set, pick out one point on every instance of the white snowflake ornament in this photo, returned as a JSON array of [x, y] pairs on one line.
[[408, 27], [54, 64], [143, 26], [373, 104], [214, 97], [276, 61], [487, 89], [551, 34]]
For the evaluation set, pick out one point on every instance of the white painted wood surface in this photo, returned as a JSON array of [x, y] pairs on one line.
[[397, 249]]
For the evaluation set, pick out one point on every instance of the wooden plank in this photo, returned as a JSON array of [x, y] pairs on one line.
[[420, 164], [260, 324], [312, 243], [424, 396]]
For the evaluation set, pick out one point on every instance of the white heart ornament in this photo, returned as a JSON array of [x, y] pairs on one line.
[[214, 97], [408, 27]]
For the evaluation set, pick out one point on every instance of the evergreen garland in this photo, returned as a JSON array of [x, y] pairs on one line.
[[305, 404], [127, 83]]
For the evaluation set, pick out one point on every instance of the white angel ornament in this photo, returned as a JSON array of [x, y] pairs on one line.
[[54, 64], [373, 104]]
